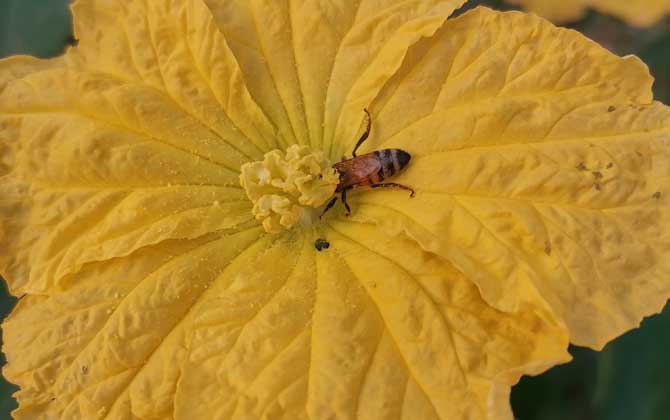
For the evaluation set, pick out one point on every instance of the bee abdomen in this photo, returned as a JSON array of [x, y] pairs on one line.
[[391, 162]]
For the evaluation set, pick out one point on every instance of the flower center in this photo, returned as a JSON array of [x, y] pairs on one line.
[[286, 188]]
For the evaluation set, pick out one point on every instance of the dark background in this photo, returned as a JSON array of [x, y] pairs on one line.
[[628, 380]]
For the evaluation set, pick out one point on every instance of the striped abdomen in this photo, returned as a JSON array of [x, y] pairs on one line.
[[371, 168]]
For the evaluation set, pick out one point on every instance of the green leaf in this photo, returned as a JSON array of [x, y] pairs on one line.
[[627, 380], [36, 27]]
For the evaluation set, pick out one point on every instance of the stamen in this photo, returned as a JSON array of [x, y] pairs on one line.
[[286, 187]]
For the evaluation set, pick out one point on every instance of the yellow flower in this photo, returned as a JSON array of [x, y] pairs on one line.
[[150, 290], [642, 13]]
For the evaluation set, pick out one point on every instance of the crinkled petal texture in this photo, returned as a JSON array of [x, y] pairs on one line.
[[541, 166], [542, 177], [641, 13]]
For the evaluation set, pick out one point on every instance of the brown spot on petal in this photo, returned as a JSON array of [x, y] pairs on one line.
[[581, 166], [547, 247], [656, 195], [611, 109], [321, 244]]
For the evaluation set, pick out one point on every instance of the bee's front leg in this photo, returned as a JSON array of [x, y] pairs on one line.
[[330, 204], [344, 200]]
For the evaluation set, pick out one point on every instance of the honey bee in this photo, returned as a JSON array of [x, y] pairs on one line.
[[369, 170]]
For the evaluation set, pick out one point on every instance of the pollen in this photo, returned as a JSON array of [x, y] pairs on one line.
[[287, 187]]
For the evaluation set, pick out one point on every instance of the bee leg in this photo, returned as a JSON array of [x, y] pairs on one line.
[[330, 205], [366, 134], [394, 185], [344, 200]]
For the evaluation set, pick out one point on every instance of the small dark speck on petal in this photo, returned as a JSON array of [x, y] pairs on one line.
[[321, 244], [609, 165], [611, 109], [596, 186], [657, 195], [581, 166], [547, 247], [597, 174]]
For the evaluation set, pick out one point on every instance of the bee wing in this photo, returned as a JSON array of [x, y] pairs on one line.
[[366, 165], [357, 171]]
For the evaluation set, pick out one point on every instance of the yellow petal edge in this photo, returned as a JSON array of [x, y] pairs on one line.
[[641, 13]]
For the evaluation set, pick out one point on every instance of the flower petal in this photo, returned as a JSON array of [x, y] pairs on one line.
[[12, 68], [99, 167], [540, 165], [371, 328], [308, 58], [638, 13], [111, 343], [174, 49], [564, 11], [230, 325]]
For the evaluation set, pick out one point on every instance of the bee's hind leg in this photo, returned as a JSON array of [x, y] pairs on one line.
[[394, 185], [366, 134]]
